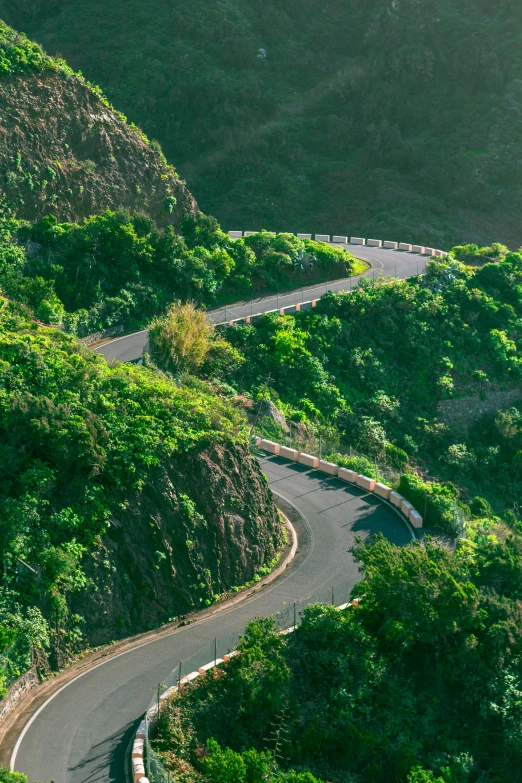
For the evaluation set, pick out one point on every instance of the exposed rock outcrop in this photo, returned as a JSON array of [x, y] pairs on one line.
[[204, 523]]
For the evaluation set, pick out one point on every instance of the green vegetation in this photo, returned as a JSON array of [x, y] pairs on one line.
[[368, 370], [402, 117], [119, 269], [66, 151], [6, 776], [419, 683], [79, 439]]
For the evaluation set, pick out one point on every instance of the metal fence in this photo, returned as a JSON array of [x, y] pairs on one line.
[[279, 300], [287, 617]]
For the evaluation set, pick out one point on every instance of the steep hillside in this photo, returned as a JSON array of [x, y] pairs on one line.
[[400, 117], [64, 150], [125, 498], [378, 370]]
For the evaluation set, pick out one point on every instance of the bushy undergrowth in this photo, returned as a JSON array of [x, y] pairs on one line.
[[78, 439], [418, 683], [118, 269]]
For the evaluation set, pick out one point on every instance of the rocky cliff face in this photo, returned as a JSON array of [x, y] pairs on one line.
[[65, 151], [205, 522]]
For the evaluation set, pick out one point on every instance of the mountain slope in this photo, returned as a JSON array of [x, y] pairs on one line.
[[125, 498], [400, 117], [64, 150]]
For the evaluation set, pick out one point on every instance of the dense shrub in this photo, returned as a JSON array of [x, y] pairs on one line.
[[77, 437], [118, 269], [405, 687]]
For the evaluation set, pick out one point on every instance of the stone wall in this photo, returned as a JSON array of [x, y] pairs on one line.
[[17, 691], [94, 338], [467, 410]]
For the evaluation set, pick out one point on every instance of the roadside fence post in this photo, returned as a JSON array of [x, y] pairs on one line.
[[159, 692], [294, 616], [302, 294], [333, 602], [226, 316], [215, 649], [327, 286]]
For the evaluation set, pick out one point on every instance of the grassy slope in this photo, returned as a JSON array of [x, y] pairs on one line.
[[361, 117]]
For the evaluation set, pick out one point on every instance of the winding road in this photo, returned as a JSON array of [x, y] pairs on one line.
[[393, 263], [82, 732]]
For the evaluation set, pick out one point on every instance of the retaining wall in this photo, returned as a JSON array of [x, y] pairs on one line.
[[17, 691], [94, 338]]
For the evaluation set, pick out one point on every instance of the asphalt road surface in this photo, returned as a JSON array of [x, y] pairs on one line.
[[393, 263], [81, 735]]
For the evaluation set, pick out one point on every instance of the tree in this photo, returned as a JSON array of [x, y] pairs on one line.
[[180, 341]]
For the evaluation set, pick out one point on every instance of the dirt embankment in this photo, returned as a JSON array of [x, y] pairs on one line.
[[64, 152], [204, 523]]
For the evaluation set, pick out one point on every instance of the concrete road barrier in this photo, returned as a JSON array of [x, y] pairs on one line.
[[357, 241], [270, 446], [204, 669], [366, 483], [391, 245], [429, 251], [304, 236], [396, 499], [308, 460], [235, 234], [348, 475], [374, 242], [418, 249], [322, 237], [345, 474], [328, 467], [288, 453], [340, 240], [249, 233], [416, 519], [382, 490], [405, 246]]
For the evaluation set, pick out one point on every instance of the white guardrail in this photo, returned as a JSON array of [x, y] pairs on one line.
[[338, 240], [401, 505]]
